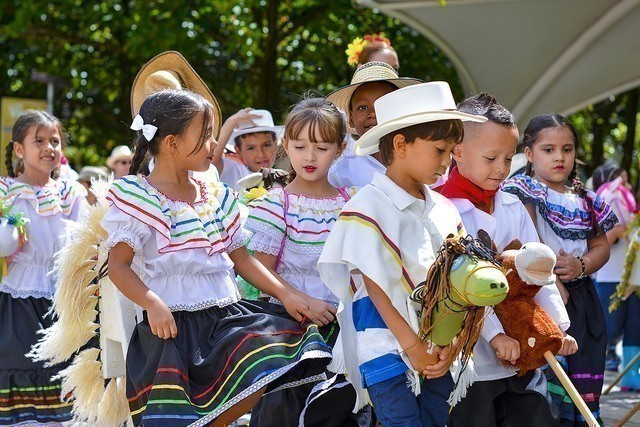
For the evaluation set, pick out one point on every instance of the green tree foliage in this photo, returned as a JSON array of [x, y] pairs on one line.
[[607, 131], [261, 53]]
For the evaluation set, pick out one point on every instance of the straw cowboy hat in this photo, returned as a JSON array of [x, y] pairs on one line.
[[170, 70], [264, 123], [422, 103], [118, 153], [370, 72]]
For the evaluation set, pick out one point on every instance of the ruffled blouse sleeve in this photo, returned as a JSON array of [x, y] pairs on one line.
[[121, 227], [266, 222], [602, 210], [569, 222]]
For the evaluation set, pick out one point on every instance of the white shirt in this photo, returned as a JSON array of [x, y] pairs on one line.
[[232, 172], [509, 221], [351, 170], [181, 248], [50, 209], [391, 237]]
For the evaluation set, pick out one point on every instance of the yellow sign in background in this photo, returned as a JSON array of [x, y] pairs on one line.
[[11, 109]]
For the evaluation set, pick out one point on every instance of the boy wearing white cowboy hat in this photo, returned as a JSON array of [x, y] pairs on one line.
[[369, 82], [120, 161], [381, 248], [253, 136]]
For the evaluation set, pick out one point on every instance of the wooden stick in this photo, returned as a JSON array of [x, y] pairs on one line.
[[628, 415], [571, 389], [621, 374]]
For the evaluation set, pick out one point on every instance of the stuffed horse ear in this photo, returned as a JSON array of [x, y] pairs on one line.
[[485, 239], [513, 245]]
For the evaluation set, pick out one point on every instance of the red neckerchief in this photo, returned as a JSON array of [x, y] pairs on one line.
[[459, 187]]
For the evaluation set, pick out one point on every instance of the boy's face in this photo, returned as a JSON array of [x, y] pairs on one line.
[[421, 162], [258, 150], [484, 156], [362, 116]]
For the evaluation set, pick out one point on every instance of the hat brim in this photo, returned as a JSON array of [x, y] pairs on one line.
[[231, 143], [369, 143], [342, 96], [173, 61]]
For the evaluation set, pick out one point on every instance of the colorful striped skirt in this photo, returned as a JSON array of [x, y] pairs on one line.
[[27, 394], [221, 356]]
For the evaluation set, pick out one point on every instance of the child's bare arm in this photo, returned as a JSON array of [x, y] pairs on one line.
[[414, 347], [322, 312], [260, 277], [127, 281], [226, 130]]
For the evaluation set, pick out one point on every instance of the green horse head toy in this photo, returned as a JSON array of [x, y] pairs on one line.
[[464, 279]]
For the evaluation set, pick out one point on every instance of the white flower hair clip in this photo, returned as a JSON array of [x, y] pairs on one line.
[[148, 131]]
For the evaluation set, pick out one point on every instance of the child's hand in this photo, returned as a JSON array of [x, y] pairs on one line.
[[506, 348], [161, 320], [569, 346], [440, 368], [244, 116], [321, 312], [568, 267], [296, 306], [420, 357]]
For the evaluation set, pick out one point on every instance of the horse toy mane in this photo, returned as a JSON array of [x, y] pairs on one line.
[[463, 280]]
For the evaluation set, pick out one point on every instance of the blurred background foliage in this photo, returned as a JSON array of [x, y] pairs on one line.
[[259, 53]]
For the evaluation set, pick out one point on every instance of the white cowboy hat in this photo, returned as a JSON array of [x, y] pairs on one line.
[[264, 123], [421, 103], [170, 70], [118, 153]]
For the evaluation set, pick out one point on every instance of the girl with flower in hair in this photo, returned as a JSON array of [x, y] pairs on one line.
[[372, 47]]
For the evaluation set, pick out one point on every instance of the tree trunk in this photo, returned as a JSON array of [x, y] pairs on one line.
[[270, 83]]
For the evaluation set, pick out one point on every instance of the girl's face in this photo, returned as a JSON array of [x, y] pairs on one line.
[[553, 155], [312, 160], [200, 160], [40, 150], [484, 156], [362, 115]]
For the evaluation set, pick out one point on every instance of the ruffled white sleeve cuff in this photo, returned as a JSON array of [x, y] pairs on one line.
[[124, 228], [126, 237], [265, 243]]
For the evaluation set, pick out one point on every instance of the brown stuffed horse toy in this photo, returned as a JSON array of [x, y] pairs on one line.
[[528, 268]]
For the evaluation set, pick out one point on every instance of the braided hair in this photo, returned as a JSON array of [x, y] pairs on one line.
[[171, 111], [22, 126]]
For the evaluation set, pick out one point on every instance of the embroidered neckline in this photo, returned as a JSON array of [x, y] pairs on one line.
[[204, 197], [337, 196]]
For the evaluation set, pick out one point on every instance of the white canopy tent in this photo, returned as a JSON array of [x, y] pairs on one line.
[[535, 56]]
